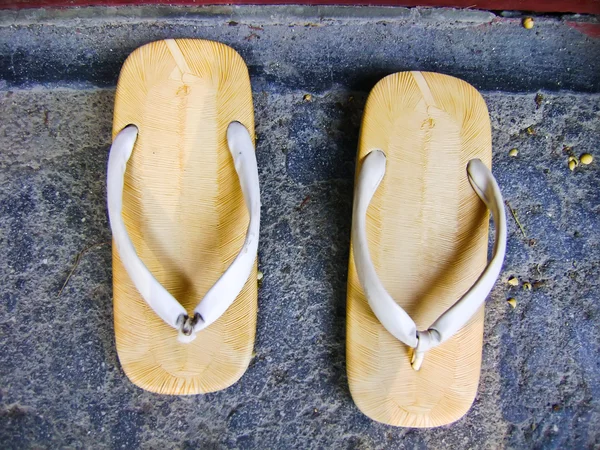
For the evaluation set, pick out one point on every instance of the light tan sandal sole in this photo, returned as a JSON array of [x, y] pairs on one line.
[[184, 210], [428, 238]]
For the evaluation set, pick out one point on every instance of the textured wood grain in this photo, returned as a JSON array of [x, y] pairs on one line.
[[428, 238], [184, 210]]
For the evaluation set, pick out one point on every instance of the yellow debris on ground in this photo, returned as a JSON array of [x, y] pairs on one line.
[[572, 164]]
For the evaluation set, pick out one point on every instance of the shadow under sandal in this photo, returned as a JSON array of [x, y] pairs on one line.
[[418, 272], [184, 208]]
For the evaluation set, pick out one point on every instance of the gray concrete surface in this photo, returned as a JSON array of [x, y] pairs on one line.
[[61, 385], [308, 47]]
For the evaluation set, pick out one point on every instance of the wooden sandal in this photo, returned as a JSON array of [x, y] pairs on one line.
[[419, 250], [184, 208]]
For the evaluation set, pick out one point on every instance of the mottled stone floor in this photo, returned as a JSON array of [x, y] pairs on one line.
[[61, 383]]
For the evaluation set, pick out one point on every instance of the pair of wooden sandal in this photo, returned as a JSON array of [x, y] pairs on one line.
[[184, 207]]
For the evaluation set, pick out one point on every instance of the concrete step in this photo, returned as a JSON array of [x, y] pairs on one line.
[[310, 48]]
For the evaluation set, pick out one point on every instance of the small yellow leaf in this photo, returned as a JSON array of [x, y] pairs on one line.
[[513, 281], [513, 152], [512, 302], [572, 165], [586, 159], [528, 23]]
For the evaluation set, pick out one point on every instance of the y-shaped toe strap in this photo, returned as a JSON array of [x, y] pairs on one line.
[[227, 288], [387, 311]]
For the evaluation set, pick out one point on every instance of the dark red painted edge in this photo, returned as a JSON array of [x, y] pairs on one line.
[[547, 6]]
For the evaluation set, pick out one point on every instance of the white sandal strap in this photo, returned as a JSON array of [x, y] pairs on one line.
[[388, 312], [229, 285]]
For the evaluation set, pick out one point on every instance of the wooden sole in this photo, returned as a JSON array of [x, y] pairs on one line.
[[184, 211], [428, 239]]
